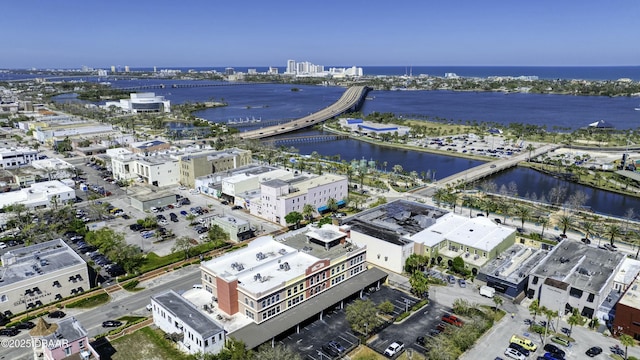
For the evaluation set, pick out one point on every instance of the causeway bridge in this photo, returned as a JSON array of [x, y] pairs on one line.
[[351, 100], [492, 167]]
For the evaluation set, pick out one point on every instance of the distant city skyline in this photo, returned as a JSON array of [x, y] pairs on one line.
[[243, 33]]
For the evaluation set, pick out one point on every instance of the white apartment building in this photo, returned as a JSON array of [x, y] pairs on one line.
[[141, 103], [11, 158], [173, 313], [40, 195], [39, 274], [279, 197], [246, 182]]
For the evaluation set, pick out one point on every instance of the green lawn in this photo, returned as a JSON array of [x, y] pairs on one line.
[[91, 301], [146, 343]]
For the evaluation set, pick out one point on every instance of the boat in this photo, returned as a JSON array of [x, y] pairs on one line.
[[637, 109]]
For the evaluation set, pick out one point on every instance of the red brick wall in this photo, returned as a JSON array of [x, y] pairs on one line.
[[227, 295]]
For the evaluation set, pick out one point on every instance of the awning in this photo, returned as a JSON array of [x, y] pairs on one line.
[[340, 203], [323, 208]]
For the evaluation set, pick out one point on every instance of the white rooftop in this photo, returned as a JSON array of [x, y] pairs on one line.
[[478, 232], [264, 264]]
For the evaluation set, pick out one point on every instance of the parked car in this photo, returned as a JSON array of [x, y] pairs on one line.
[[111, 323], [420, 340], [513, 354], [184, 213], [520, 349], [9, 332], [550, 348], [333, 353], [3, 245], [25, 325], [336, 345], [593, 351], [451, 279], [462, 283], [394, 348], [57, 314], [236, 207], [452, 319]]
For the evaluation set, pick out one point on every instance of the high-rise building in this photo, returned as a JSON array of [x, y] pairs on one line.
[[113, 68], [126, 68], [291, 66]]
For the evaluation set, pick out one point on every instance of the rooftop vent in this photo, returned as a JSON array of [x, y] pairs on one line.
[[285, 266], [257, 277], [282, 251], [260, 256]]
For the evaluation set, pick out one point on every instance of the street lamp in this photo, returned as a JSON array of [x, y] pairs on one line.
[[366, 329]]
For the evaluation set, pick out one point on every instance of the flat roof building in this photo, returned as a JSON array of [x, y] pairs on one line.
[[574, 275], [173, 313], [39, 274], [40, 195]]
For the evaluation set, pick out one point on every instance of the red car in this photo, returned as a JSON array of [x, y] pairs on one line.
[[453, 320]]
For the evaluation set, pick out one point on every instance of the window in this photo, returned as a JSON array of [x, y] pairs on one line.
[[81, 344], [535, 280], [3, 298], [67, 351]]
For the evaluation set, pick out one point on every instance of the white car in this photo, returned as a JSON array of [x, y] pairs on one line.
[[3, 245], [514, 354], [394, 349]]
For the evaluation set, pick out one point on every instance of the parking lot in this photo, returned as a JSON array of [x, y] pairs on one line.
[[312, 342]]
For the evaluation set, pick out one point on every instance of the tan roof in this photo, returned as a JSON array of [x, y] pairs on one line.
[[43, 328]]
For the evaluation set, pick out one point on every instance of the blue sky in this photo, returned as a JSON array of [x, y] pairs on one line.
[[217, 33]]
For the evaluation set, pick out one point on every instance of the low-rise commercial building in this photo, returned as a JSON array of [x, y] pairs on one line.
[[373, 129], [199, 333], [508, 273], [47, 194], [574, 276], [237, 228], [11, 158], [39, 274]]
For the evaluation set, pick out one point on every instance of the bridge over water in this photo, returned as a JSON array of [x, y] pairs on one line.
[[486, 169], [351, 100]]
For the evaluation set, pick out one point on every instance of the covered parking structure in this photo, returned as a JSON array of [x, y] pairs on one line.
[[254, 335]]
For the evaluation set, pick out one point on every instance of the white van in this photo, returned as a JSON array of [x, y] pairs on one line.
[[197, 286]]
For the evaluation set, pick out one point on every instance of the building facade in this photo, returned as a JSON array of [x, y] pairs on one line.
[[174, 314], [574, 276], [280, 197], [11, 158], [268, 277], [66, 339], [39, 274]]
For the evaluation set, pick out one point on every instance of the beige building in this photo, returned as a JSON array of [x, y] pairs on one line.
[[39, 274], [203, 163]]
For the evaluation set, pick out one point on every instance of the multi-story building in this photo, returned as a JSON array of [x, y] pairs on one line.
[[50, 133], [234, 187], [15, 157], [202, 163], [66, 339], [174, 314], [46, 194], [276, 284], [39, 274], [574, 276], [269, 277], [172, 167], [280, 197]]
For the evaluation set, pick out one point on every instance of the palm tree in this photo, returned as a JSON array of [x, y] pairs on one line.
[[543, 221], [530, 149], [524, 213], [574, 319], [332, 204], [627, 341], [307, 211], [550, 315], [534, 308], [566, 221], [612, 231], [497, 301], [589, 228]]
